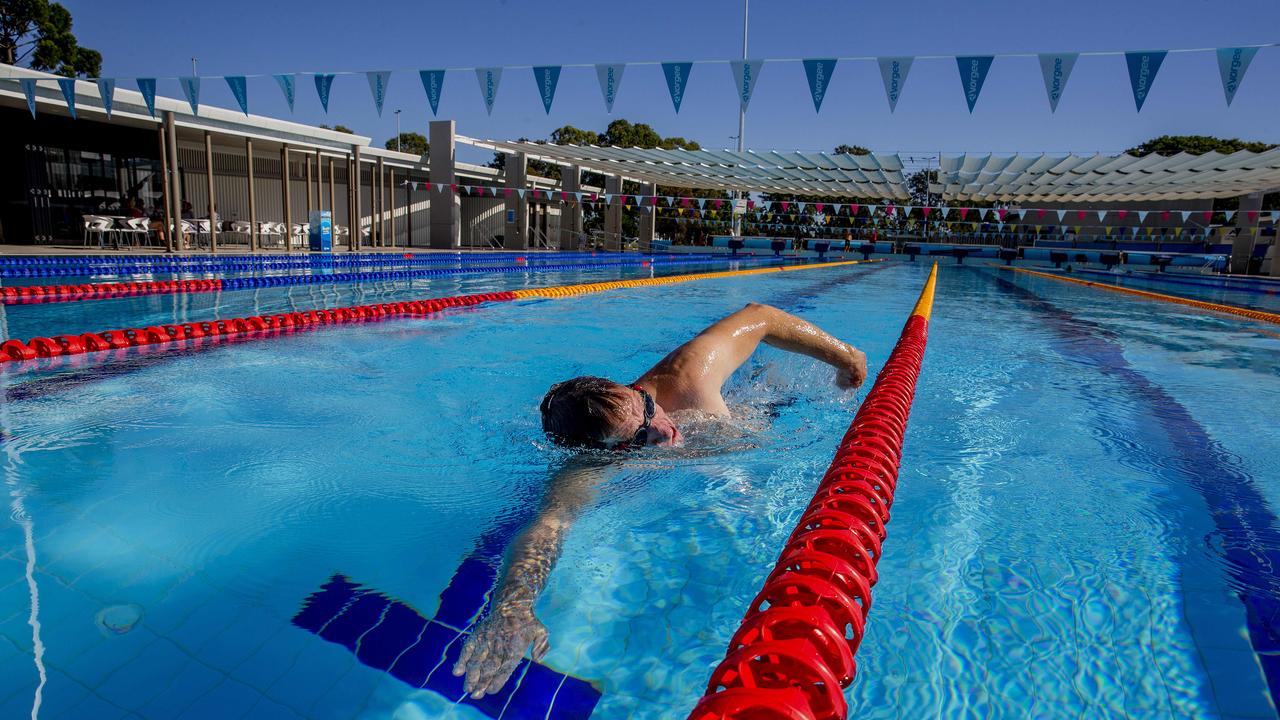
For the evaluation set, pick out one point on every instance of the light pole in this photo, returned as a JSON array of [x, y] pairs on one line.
[[742, 117], [194, 72], [397, 131]]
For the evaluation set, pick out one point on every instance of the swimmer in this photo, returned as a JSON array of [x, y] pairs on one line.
[[591, 412]]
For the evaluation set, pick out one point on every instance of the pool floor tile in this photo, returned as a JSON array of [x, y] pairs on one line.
[[192, 681], [229, 699]]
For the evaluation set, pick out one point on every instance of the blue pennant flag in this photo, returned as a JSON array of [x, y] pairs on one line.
[[1056, 69], [191, 88], [744, 74], [287, 85], [29, 89], [973, 72], [1143, 67], [819, 72], [610, 76], [107, 91], [147, 86], [68, 86], [547, 77], [677, 77], [240, 88], [432, 82], [1232, 64], [378, 80], [893, 71], [489, 78], [324, 81]]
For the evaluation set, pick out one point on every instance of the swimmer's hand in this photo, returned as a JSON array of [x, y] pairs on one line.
[[496, 646], [851, 373]]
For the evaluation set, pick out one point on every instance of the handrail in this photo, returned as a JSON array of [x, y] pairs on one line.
[[793, 653]]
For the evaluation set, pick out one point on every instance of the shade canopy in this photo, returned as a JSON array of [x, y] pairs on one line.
[[1105, 178], [857, 176]]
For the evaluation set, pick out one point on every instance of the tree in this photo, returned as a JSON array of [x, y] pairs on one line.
[[410, 142], [843, 149], [918, 186], [1196, 145], [340, 128], [41, 30]]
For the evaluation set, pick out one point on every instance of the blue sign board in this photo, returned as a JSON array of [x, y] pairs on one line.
[[321, 231]]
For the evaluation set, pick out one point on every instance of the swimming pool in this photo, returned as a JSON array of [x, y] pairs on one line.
[[1084, 520]]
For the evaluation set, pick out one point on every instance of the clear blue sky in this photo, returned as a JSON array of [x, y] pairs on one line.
[[149, 37]]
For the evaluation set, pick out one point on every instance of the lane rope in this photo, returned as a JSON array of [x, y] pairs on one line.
[[793, 653], [165, 337], [29, 294], [1199, 304]]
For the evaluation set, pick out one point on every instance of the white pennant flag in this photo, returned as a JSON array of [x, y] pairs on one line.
[[520, 192], [1061, 214], [893, 70], [1185, 214], [801, 206], [610, 76], [745, 73], [1056, 69], [1229, 214], [489, 78], [1142, 216]]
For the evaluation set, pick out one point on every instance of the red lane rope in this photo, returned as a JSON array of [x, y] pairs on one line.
[[15, 294], [792, 656], [214, 330]]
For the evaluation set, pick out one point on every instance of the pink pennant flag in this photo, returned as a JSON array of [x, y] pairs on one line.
[[888, 210], [926, 209], [685, 202], [454, 188], [1164, 214], [853, 209], [751, 204], [1121, 213], [1002, 212], [1040, 213], [1080, 215], [1208, 215], [963, 212], [818, 207], [509, 192], [1253, 215], [716, 203]]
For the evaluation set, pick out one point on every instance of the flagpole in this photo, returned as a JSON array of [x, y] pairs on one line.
[[742, 117]]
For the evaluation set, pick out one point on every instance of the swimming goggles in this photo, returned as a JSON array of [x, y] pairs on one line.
[[641, 438]]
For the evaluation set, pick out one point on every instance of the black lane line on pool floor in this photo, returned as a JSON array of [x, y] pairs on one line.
[[1249, 543]]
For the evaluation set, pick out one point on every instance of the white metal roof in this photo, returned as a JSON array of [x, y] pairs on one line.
[[864, 176], [1105, 178]]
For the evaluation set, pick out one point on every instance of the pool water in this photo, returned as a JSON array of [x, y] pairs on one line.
[[1084, 526]]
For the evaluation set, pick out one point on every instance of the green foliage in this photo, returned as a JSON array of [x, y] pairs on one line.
[[1196, 145], [843, 149], [41, 30], [410, 142], [339, 128]]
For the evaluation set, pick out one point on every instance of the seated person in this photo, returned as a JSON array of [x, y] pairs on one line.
[[591, 412]]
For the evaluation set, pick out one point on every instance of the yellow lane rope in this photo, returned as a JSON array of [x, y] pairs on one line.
[[569, 290], [924, 306], [1213, 307]]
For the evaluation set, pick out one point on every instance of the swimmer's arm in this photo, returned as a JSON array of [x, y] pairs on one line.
[[498, 643], [708, 360]]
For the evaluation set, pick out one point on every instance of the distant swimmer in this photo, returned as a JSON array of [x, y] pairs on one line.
[[592, 412]]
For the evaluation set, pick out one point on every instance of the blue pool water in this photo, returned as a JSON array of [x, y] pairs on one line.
[[1085, 524]]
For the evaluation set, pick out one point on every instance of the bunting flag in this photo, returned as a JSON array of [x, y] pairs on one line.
[[29, 89], [1061, 215], [520, 193], [240, 89], [677, 74], [973, 73], [744, 74], [288, 84], [68, 86], [547, 77], [893, 71], [432, 82], [378, 80], [489, 78], [1056, 69], [1232, 65], [1142, 216], [191, 88], [1185, 214], [819, 72], [107, 91], [610, 76], [1229, 214], [324, 81], [147, 86], [1143, 67]]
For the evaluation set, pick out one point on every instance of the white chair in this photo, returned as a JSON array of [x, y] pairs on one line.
[[301, 233], [97, 225], [138, 230], [267, 231]]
